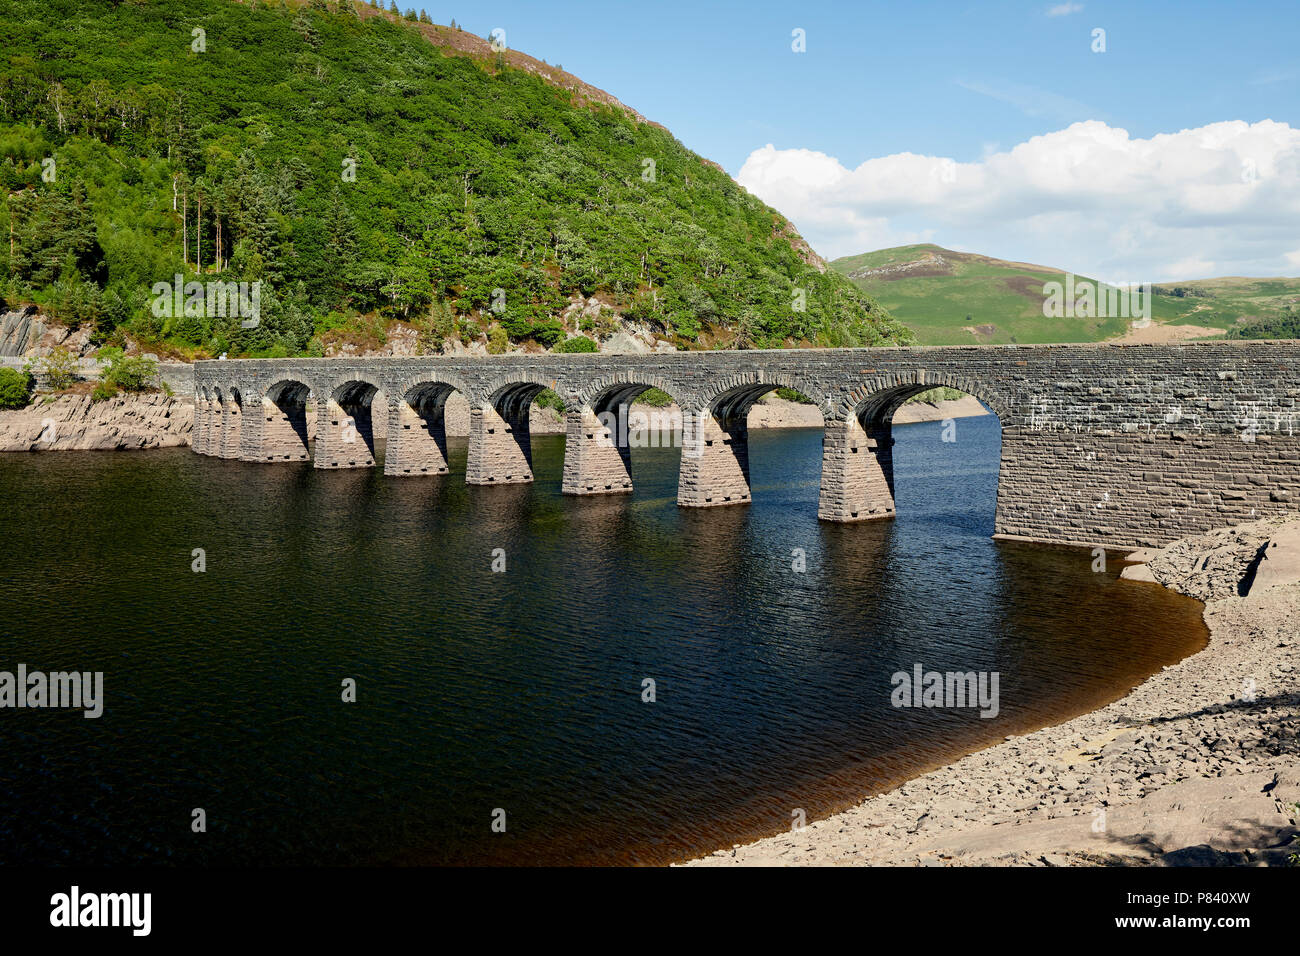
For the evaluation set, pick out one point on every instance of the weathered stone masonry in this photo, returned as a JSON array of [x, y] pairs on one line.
[[1101, 444]]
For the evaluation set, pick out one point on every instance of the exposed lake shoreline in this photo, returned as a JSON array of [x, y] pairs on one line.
[[155, 420], [1198, 765]]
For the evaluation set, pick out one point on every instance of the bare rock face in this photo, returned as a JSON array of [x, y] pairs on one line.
[[1218, 564], [25, 332], [18, 328], [1137, 572], [1279, 562], [625, 343], [75, 423]]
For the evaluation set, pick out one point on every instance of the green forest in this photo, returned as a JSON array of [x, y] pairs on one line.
[[364, 175]]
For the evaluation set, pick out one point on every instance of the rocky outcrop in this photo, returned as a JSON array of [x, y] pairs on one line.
[[19, 327], [75, 423], [26, 333]]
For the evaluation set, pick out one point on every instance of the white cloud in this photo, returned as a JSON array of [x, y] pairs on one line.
[[1222, 199], [1064, 9]]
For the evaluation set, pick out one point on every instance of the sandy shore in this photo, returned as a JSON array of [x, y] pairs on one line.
[[1200, 764]]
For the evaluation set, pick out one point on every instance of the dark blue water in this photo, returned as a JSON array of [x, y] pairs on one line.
[[521, 690]]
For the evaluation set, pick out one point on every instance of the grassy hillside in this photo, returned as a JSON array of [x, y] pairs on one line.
[[368, 169], [1230, 302], [957, 298]]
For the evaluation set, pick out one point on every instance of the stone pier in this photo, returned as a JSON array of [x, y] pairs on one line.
[[857, 472], [417, 433], [202, 423], [345, 429], [715, 461], [597, 458], [212, 444], [500, 447], [231, 422]]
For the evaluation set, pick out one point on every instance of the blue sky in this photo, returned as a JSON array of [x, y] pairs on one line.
[[960, 81]]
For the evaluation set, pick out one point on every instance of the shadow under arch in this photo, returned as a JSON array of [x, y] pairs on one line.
[[500, 440], [715, 456], [602, 429], [285, 434], [417, 429], [345, 429]]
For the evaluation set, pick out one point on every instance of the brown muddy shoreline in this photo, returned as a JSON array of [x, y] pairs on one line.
[[1196, 765]]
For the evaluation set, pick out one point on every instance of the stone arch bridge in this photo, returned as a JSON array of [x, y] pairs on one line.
[[1101, 444]]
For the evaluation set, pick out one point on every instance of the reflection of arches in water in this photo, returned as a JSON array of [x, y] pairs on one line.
[[600, 434], [715, 458], [345, 434], [502, 513], [858, 567], [417, 431]]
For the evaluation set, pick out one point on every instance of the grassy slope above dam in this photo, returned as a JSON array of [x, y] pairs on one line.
[[959, 298]]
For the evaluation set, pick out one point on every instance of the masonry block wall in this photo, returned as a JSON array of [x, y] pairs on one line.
[[344, 435], [417, 440], [715, 461], [857, 472], [500, 447], [597, 458], [199, 434], [1102, 444], [281, 434]]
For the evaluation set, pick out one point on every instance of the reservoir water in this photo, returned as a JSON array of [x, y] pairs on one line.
[[523, 691]]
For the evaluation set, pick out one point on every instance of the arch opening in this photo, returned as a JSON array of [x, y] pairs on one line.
[[500, 434], [858, 465], [601, 432], [285, 432], [417, 430], [345, 432], [716, 454]]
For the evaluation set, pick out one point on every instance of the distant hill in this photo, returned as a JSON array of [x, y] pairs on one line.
[[370, 169], [960, 298]]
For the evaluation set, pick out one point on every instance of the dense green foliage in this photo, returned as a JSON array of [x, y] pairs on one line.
[[59, 367], [655, 398], [15, 388], [579, 343], [103, 391], [935, 395], [131, 373], [356, 169], [1284, 326]]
